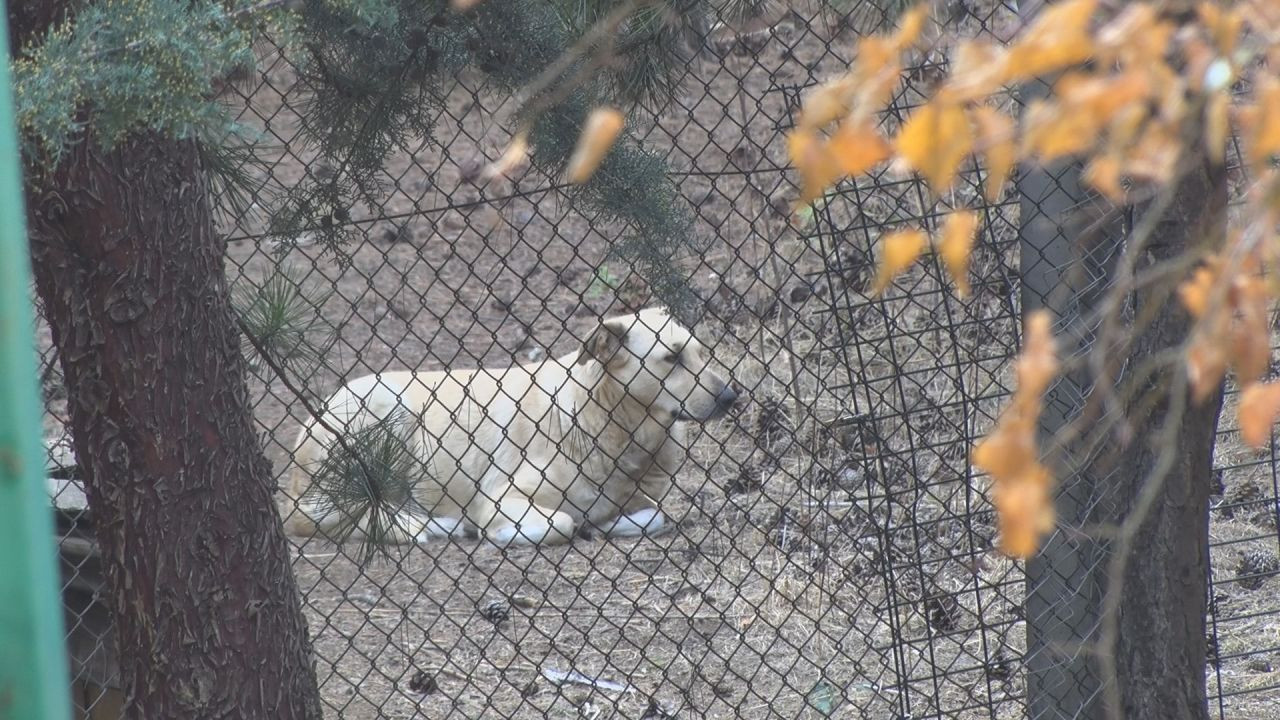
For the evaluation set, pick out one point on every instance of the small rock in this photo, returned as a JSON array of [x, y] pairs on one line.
[[999, 668], [747, 481], [800, 293], [393, 235], [1260, 665], [366, 598], [744, 156], [943, 613]]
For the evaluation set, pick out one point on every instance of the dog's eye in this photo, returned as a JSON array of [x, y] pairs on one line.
[[673, 358]]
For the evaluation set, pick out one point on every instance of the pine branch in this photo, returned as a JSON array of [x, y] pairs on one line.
[[283, 314], [360, 473]]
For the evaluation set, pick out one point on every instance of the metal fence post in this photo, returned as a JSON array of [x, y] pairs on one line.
[[33, 663], [1062, 591], [1065, 272]]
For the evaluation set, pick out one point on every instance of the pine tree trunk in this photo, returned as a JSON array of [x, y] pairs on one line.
[[131, 275], [1161, 645]]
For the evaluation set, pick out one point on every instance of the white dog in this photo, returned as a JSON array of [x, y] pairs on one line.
[[533, 453]]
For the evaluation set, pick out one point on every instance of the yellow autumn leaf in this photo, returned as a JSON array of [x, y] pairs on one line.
[[826, 103], [956, 247], [1124, 127], [1155, 155], [818, 169], [1250, 334], [1102, 97], [512, 158], [1038, 363], [1104, 173], [1050, 132], [1210, 15], [1259, 406], [599, 133], [876, 72], [857, 147], [897, 251], [934, 141], [978, 70], [1164, 81], [1223, 27], [1173, 102], [1217, 126], [996, 143], [1022, 487], [1206, 365], [1136, 43], [911, 25], [1194, 292], [1058, 38], [1263, 121], [1119, 32], [1003, 453], [1024, 508]]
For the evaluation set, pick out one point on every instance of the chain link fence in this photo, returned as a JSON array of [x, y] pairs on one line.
[[829, 549]]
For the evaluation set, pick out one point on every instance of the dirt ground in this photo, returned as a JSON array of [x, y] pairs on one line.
[[833, 553]]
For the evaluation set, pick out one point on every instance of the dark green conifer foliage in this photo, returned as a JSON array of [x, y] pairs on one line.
[[375, 72]]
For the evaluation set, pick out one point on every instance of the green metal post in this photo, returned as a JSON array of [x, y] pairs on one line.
[[34, 682]]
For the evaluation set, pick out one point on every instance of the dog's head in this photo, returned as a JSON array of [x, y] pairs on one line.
[[659, 363]]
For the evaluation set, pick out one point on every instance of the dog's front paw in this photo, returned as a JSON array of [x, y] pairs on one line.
[[440, 527], [647, 521], [535, 529]]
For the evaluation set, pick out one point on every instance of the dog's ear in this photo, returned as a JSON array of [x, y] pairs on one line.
[[603, 344]]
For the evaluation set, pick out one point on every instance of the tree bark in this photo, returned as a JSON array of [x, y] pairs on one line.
[[1161, 647], [132, 279]]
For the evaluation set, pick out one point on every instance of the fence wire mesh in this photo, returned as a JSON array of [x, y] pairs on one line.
[[828, 548]]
